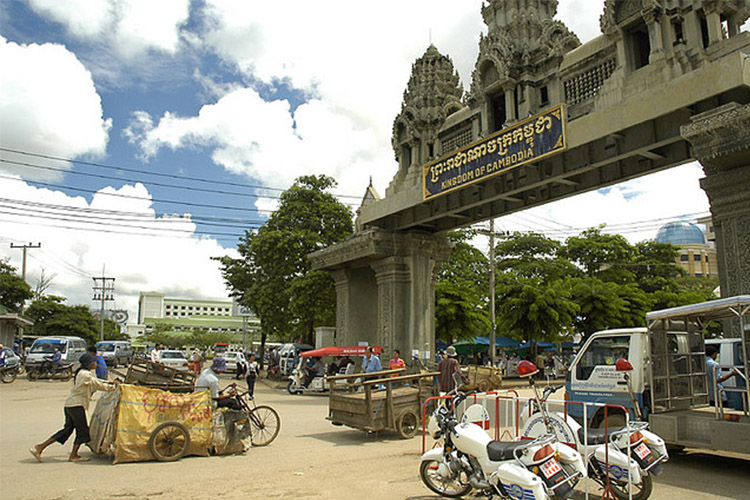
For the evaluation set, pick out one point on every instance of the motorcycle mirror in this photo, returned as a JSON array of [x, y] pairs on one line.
[[623, 365]]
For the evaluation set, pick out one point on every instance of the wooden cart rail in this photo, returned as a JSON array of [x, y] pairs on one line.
[[370, 375], [159, 376], [383, 403]]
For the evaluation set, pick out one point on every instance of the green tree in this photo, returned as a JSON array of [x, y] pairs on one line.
[[52, 317], [655, 267], [273, 277], [14, 291], [462, 292], [533, 255], [531, 309], [604, 304], [608, 257]]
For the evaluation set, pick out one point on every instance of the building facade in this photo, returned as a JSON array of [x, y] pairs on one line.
[[186, 315], [697, 253]]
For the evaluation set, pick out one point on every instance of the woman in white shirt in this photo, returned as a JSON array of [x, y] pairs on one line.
[[84, 385]]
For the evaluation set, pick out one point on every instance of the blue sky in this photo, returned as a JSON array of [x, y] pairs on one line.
[[244, 94]]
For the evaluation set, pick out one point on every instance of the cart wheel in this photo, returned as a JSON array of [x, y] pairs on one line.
[[407, 424], [169, 442], [484, 385]]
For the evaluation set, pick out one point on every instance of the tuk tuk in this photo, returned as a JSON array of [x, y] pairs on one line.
[[302, 380]]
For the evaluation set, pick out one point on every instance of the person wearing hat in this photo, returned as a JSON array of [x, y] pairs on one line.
[[85, 384], [209, 381], [447, 367]]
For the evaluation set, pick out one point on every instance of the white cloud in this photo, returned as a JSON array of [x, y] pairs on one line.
[[48, 103], [131, 26], [179, 263]]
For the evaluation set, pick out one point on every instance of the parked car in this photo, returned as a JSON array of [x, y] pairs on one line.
[[231, 358], [115, 352], [174, 359]]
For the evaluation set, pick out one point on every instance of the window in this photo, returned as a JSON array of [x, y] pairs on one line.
[[697, 257], [679, 36], [684, 257], [602, 351], [544, 95], [499, 114], [640, 47]]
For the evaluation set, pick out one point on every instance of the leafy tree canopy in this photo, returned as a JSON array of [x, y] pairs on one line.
[[273, 276], [462, 292], [13, 289]]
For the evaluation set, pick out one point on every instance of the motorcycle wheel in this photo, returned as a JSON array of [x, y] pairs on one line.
[[32, 374], [452, 488], [67, 375], [292, 388], [620, 489], [9, 375]]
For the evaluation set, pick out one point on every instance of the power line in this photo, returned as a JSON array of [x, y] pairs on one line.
[[145, 215], [156, 174]]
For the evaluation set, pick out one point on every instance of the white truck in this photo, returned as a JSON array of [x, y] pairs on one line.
[[669, 381]]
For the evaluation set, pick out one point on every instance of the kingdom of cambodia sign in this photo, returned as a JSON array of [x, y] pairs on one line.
[[530, 140]]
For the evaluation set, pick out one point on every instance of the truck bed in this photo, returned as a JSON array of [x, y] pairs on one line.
[[699, 428]]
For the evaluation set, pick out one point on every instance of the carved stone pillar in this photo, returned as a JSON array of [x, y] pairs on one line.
[[720, 140], [341, 282], [393, 278]]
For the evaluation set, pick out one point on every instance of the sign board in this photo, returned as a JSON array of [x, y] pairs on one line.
[[527, 141], [240, 310]]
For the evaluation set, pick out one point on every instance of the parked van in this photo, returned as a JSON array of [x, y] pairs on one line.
[[71, 349], [730, 355], [115, 352], [289, 356]]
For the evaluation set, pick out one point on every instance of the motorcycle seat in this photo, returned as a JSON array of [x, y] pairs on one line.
[[596, 436], [503, 450]]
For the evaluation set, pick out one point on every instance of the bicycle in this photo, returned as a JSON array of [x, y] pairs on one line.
[[264, 421]]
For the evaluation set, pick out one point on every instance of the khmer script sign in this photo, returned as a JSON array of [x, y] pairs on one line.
[[527, 141]]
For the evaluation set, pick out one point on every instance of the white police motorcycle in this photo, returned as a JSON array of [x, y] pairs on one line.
[[634, 454], [469, 459]]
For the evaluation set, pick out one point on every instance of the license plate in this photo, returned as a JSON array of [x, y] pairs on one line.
[[642, 451], [550, 468]]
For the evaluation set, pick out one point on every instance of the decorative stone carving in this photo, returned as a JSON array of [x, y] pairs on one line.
[[522, 40], [434, 91], [720, 140], [719, 135]]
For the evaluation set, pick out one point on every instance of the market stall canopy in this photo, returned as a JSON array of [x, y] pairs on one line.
[[358, 350], [482, 344]]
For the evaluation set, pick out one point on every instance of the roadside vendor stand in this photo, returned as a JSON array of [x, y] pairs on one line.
[[378, 401]]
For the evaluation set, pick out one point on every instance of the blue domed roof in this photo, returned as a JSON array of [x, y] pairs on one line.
[[680, 233]]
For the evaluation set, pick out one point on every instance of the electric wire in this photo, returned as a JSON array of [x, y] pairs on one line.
[[156, 174]]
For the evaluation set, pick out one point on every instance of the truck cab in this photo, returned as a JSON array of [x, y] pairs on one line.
[[592, 377]]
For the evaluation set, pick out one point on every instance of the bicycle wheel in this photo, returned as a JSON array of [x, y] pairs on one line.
[[265, 424]]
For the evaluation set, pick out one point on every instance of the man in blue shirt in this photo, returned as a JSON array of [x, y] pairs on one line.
[[713, 371], [371, 363], [102, 371]]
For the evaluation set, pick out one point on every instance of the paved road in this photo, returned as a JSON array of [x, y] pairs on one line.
[[310, 459]]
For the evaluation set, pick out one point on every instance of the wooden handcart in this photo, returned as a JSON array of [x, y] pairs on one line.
[[156, 375], [378, 401], [482, 378]]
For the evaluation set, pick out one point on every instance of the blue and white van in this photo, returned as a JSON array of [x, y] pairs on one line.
[[115, 352], [71, 349]]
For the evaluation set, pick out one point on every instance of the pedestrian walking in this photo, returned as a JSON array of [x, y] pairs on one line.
[[85, 384]]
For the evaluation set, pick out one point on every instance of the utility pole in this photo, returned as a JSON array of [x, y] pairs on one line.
[[24, 247], [492, 234], [104, 290]]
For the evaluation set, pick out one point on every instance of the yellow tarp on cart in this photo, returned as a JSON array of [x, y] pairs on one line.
[[142, 409]]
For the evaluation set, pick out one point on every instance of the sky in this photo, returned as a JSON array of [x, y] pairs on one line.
[[138, 139]]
